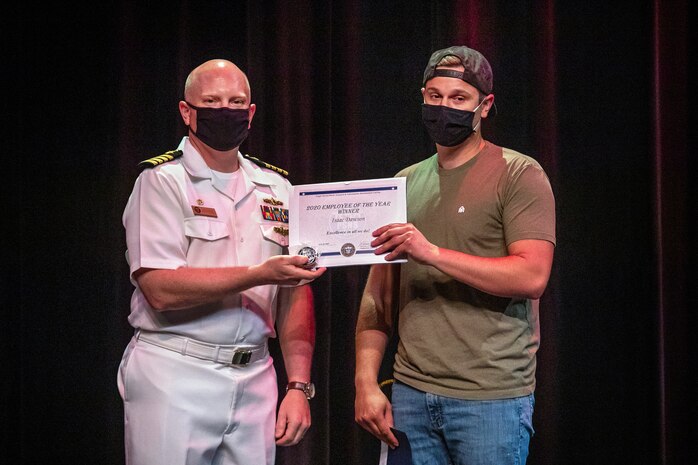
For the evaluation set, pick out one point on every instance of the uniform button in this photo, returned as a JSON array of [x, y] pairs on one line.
[[210, 233], [242, 239]]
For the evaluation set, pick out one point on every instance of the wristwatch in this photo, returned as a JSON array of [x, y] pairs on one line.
[[307, 388]]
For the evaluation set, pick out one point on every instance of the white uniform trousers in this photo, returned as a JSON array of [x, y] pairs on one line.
[[181, 410]]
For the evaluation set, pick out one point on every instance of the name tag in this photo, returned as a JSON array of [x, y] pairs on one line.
[[204, 211]]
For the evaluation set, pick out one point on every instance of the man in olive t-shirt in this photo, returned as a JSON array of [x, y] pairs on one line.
[[479, 242]]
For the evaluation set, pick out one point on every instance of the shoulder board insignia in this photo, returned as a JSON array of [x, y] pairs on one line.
[[160, 159], [266, 165]]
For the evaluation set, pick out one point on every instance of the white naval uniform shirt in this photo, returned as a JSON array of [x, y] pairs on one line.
[[163, 231]]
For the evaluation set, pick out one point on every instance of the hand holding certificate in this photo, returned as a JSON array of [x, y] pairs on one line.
[[331, 223]]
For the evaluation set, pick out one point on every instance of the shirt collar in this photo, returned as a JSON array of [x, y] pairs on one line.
[[196, 166]]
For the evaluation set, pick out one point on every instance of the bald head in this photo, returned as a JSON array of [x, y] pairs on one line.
[[212, 75], [211, 88]]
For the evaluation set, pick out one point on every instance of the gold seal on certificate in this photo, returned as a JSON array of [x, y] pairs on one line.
[[334, 222]]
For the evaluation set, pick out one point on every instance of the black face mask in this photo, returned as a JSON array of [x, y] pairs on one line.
[[448, 126], [221, 128]]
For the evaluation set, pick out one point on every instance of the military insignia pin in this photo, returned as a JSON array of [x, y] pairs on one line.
[[272, 201], [274, 213]]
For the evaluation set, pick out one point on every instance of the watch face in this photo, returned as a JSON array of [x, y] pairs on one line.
[[310, 390]]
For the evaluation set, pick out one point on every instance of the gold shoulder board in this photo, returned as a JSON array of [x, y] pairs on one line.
[[160, 159], [266, 165]]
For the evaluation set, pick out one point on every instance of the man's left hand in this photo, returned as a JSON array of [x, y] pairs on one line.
[[293, 420]]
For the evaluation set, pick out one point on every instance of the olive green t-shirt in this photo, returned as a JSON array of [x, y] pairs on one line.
[[455, 340]]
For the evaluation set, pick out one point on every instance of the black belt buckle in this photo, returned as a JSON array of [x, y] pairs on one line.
[[241, 357]]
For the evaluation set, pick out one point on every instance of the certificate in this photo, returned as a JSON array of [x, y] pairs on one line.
[[332, 223]]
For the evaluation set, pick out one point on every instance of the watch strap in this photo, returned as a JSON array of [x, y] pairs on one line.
[[307, 388]]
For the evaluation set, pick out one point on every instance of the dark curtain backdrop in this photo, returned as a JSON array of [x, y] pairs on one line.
[[597, 91]]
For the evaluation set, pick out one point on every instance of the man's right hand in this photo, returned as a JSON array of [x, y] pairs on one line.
[[373, 411], [287, 270]]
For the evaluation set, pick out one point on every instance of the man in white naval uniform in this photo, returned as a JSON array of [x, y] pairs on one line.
[[206, 232]]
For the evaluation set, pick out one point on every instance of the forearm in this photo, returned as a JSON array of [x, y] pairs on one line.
[[188, 287], [296, 327], [370, 349], [374, 323], [501, 276], [523, 272]]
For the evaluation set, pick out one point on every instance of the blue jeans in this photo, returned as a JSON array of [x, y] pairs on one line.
[[448, 431]]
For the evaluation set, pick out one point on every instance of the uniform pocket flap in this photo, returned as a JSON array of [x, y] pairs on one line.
[[208, 229], [275, 233]]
